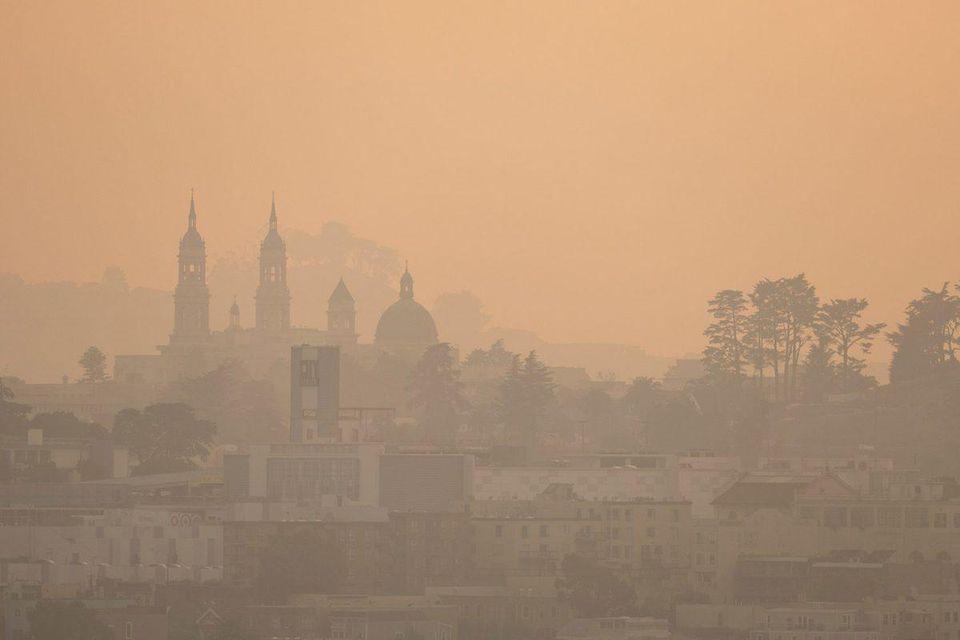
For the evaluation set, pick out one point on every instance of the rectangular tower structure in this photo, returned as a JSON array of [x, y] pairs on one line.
[[314, 393]]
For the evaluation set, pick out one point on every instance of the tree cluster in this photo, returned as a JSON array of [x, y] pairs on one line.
[[164, 437], [245, 408], [785, 342], [523, 393], [926, 343]]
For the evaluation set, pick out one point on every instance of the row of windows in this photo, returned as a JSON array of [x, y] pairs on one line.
[[614, 513], [649, 533], [543, 530], [885, 517]]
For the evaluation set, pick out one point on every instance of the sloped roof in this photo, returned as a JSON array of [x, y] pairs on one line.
[[341, 293], [759, 494], [763, 491], [782, 490]]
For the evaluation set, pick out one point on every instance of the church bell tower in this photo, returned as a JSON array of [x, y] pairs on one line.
[[273, 296], [191, 299], [341, 316]]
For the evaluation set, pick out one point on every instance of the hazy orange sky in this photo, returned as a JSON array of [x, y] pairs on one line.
[[592, 170]]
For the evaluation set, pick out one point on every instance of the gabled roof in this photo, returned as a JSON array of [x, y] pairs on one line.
[[781, 491], [760, 494], [341, 293], [209, 617]]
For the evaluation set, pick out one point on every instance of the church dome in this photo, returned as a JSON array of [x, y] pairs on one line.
[[406, 321]]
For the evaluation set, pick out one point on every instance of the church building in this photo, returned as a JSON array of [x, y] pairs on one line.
[[405, 328]]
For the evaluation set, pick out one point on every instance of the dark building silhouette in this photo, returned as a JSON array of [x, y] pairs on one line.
[[341, 316], [191, 299], [405, 329], [314, 393], [273, 296], [406, 326]]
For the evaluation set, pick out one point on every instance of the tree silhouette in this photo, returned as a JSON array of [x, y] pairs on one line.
[[61, 424], [14, 416], [245, 407], [436, 391], [841, 331], [724, 356], [524, 394], [927, 342], [818, 372], [94, 365], [164, 437], [640, 396]]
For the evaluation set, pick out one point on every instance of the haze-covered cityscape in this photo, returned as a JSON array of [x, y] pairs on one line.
[[493, 321]]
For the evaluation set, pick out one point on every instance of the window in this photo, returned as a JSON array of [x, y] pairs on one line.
[[309, 376], [835, 516], [862, 517], [128, 631], [917, 518], [651, 532], [940, 520], [890, 517], [544, 531], [523, 531], [498, 531]]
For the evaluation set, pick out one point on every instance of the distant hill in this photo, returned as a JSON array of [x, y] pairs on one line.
[[45, 326]]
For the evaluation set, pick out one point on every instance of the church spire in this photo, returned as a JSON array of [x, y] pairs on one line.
[[273, 211], [192, 218]]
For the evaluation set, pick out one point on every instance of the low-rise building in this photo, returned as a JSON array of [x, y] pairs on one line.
[[618, 628]]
